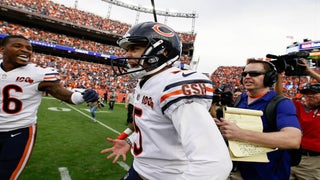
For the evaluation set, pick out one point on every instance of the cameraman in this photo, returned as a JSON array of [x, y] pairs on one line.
[[309, 118]]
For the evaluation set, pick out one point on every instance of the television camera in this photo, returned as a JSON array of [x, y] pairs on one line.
[[220, 100], [289, 63]]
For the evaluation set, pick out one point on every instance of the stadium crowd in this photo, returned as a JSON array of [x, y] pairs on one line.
[[60, 39], [74, 73], [78, 17]]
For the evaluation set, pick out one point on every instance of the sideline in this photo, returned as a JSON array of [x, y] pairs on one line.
[[120, 163], [64, 173]]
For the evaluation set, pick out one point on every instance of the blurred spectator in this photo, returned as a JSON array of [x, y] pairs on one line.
[[112, 100]]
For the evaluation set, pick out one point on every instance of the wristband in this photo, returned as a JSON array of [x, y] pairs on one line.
[[128, 131], [128, 141], [77, 98], [122, 136]]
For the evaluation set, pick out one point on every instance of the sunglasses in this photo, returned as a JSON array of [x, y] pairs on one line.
[[252, 73], [310, 90], [314, 87]]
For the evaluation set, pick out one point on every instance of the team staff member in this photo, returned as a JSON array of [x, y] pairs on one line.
[[174, 135], [309, 117], [257, 78], [22, 85]]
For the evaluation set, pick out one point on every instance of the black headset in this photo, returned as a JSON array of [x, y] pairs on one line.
[[270, 77]]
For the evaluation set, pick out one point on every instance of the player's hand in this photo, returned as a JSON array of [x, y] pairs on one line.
[[90, 95], [119, 148]]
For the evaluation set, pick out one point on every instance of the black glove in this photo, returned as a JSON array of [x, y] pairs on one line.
[[90, 95]]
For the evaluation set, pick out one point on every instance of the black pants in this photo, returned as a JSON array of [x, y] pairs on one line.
[[130, 114], [15, 150], [131, 175], [111, 105]]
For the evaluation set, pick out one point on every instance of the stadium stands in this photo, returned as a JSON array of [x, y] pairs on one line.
[[52, 24]]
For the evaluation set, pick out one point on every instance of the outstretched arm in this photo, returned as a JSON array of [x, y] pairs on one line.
[[59, 92]]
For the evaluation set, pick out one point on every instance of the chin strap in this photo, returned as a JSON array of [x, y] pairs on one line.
[[140, 72], [170, 62]]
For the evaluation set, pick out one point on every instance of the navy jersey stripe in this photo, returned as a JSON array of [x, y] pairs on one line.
[[165, 107], [49, 74]]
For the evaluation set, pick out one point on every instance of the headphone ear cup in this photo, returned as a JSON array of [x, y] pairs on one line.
[[270, 78]]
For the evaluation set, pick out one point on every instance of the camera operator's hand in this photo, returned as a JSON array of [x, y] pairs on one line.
[[303, 62]]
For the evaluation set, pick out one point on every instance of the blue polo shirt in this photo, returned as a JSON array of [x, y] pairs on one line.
[[279, 166]]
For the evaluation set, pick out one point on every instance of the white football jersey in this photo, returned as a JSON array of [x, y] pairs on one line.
[[19, 95], [164, 145]]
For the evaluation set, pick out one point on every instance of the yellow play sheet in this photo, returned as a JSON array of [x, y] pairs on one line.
[[250, 120]]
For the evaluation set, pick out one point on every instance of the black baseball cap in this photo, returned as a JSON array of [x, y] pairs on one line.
[[314, 88]]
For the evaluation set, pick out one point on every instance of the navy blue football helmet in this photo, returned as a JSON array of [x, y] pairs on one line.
[[157, 38]]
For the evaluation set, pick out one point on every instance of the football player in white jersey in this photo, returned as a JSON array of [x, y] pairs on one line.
[[21, 87], [174, 136]]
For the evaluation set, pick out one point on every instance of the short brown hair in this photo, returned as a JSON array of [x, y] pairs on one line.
[[267, 66]]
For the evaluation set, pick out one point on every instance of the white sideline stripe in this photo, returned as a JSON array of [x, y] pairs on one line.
[[64, 173], [113, 130], [124, 165]]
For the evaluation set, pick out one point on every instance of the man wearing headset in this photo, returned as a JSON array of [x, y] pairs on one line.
[[258, 78]]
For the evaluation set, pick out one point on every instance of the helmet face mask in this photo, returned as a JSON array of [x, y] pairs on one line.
[[120, 66], [163, 47]]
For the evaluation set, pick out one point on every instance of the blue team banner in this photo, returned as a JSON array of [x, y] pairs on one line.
[[309, 45], [67, 48]]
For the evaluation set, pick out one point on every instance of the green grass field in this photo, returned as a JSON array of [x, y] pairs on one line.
[[68, 138]]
